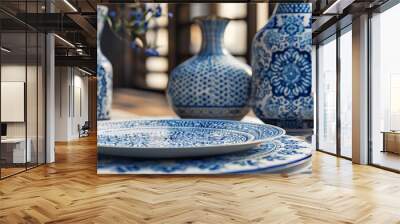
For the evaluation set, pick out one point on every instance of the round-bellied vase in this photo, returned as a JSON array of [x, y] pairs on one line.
[[104, 71], [281, 64], [212, 84]]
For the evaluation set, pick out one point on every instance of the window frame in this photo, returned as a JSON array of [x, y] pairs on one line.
[[381, 9], [334, 37]]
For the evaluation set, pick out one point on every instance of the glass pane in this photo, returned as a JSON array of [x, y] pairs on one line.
[[32, 90], [161, 21], [31, 98], [13, 86], [385, 114], [232, 10], [314, 90], [346, 94], [157, 80], [157, 64], [159, 38], [41, 99], [262, 15], [327, 97], [199, 9], [237, 29]]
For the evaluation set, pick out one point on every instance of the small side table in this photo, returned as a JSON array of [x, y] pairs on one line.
[[391, 141]]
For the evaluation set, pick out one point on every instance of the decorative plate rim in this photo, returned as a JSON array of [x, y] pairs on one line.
[[281, 132], [291, 163], [304, 152]]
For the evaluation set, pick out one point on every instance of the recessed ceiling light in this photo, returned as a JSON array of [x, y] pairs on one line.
[[338, 6], [5, 49], [64, 40], [84, 71], [70, 5]]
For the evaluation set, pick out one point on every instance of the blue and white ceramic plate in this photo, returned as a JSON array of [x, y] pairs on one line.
[[277, 156], [180, 137]]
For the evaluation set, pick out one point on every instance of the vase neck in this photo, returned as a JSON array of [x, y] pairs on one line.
[[213, 30], [101, 15], [283, 8]]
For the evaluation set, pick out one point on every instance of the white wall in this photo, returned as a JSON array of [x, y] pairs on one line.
[[33, 126], [61, 103], [71, 102], [16, 73], [80, 109]]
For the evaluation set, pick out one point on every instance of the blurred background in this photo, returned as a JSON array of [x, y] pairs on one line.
[[178, 39], [140, 81], [50, 45]]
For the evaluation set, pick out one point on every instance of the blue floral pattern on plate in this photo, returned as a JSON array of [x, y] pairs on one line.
[[180, 137], [276, 155], [171, 137]]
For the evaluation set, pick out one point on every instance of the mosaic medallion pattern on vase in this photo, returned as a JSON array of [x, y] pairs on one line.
[[281, 63], [212, 84], [104, 71], [272, 156]]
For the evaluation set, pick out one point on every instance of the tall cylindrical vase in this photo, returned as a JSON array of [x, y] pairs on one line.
[[104, 71], [212, 84], [281, 63]]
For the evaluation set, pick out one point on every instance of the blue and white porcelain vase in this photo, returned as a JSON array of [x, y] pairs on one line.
[[281, 64], [104, 71], [212, 84]]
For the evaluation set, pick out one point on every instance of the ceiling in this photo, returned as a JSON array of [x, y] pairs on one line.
[[332, 15], [75, 21], [72, 20]]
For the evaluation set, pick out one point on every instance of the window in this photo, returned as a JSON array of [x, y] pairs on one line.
[[327, 96], [385, 87], [157, 68], [346, 93], [22, 77], [334, 94]]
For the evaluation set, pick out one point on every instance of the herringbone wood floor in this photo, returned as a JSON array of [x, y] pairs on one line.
[[69, 191]]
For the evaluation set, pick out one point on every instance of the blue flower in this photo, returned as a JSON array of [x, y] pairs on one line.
[[136, 23], [112, 13], [151, 52], [149, 10], [146, 25], [133, 45], [290, 73], [158, 11], [136, 15]]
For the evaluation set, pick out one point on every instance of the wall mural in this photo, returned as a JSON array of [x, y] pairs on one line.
[[217, 87]]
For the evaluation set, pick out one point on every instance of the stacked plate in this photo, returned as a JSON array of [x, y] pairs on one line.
[[195, 146]]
